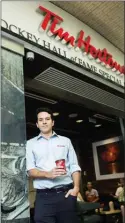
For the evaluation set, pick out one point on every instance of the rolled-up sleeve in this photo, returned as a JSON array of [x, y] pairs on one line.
[[72, 158], [30, 159]]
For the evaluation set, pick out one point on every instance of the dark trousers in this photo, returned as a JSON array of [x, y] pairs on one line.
[[53, 207]]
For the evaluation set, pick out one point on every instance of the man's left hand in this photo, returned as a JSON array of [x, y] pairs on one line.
[[73, 192]]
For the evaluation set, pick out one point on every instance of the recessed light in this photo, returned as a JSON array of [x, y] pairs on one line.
[[55, 113], [79, 121], [73, 115], [99, 125]]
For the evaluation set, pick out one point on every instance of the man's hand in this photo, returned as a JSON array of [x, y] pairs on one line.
[[74, 192], [56, 172]]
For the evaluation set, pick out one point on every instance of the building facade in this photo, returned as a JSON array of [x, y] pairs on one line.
[[91, 72]]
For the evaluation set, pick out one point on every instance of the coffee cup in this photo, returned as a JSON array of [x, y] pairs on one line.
[[61, 163]]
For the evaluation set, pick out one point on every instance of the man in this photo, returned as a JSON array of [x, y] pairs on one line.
[[119, 189], [57, 187], [118, 194], [91, 194], [119, 202]]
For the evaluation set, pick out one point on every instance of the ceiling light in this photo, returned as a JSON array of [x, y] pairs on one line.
[[79, 121], [55, 113], [73, 115], [99, 125]]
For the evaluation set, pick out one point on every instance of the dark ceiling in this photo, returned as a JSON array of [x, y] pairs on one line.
[[68, 126]]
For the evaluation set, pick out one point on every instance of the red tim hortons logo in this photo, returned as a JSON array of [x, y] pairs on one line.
[[78, 43]]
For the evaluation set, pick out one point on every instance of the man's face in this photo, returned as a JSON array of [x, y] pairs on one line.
[[122, 182], [44, 122], [89, 186]]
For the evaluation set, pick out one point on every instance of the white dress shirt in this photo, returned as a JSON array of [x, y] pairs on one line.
[[41, 154]]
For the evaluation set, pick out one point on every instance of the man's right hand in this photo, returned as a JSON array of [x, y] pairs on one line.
[[56, 172]]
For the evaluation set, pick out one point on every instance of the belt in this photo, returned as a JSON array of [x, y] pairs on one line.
[[57, 190]]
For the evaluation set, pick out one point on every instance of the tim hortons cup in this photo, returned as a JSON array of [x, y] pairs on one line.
[[61, 163]]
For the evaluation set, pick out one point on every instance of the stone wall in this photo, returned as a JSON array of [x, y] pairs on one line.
[[15, 205]]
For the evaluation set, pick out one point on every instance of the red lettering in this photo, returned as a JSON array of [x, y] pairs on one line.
[[48, 17], [87, 44], [119, 68], [80, 39], [67, 38], [116, 66], [61, 34], [53, 25], [110, 62], [102, 55], [93, 51], [123, 69], [81, 43]]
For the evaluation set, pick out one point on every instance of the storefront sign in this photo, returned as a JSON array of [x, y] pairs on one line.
[[46, 31], [78, 43]]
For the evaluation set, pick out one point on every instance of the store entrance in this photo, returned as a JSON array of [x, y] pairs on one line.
[[84, 123]]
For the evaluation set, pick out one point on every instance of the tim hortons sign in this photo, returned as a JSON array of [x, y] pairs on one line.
[[78, 43]]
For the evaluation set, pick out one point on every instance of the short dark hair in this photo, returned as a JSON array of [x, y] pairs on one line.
[[44, 110]]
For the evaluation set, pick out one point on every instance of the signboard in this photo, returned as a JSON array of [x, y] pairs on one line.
[[54, 29]]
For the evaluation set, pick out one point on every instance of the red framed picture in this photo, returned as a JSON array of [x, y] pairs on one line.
[[109, 158]]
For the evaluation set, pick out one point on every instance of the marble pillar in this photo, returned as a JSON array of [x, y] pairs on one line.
[[15, 205]]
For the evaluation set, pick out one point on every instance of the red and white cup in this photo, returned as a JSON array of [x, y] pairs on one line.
[[61, 163]]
